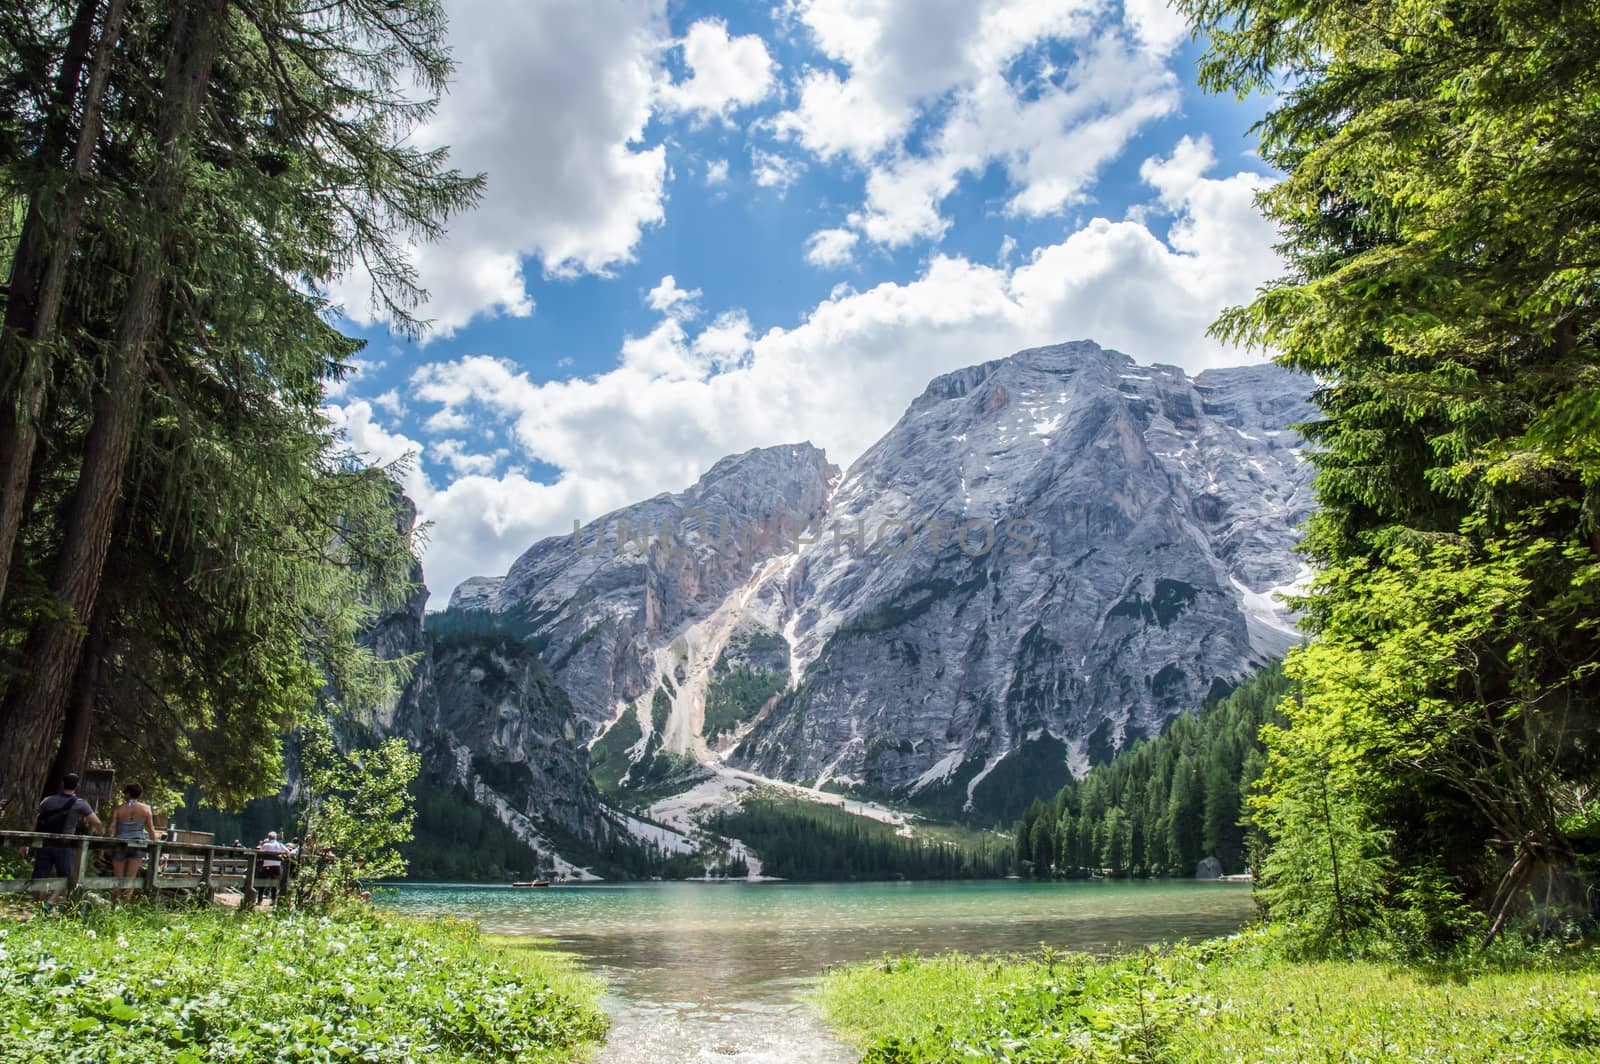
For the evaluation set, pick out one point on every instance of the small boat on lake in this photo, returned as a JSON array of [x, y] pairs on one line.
[[533, 883]]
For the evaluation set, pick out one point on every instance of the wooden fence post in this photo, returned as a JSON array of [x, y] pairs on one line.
[[152, 867], [80, 864], [250, 894], [285, 881], [205, 872]]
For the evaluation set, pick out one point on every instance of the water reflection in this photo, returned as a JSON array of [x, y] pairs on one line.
[[717, 971]]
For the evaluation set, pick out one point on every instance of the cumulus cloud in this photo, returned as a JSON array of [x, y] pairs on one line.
[[772, 170], [681, 398], [671, 300], [974, 75], [1158, 25], [455, 454], [900, 54], [716, 172], [831, 247], [550, 100], [725, 73]]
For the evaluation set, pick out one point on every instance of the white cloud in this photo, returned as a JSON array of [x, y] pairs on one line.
[[1158, 25], [354, 421], [969, 71], [550, 99], [725, 73], [448, 419], [831, 247], [455, 453], [716, 172], [391, 403], [1052, 144], [901, 54], [679, 400], [772, 170], [726, 341], [671, 300]]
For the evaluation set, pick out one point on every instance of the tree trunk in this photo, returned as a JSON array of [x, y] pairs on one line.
[[73, 756], [39, 269], [36, 710]]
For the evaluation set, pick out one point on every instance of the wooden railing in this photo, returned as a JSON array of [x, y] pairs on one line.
[[168, 866]]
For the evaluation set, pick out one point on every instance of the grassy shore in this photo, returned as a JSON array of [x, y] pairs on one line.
[[138, 985], [1228, 1000]]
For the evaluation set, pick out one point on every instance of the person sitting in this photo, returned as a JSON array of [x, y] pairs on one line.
[[59, 814], [132, 821], [272, 867]]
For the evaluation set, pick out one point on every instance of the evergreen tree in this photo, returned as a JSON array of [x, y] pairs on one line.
[[1163, 804], [1442, 235], [241, 156]]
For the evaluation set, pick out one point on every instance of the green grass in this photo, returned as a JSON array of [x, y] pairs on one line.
[[1227, 1000], [139, 985]]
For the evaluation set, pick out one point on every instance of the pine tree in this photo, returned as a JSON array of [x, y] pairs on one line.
[[267, 155], [1442, 234]]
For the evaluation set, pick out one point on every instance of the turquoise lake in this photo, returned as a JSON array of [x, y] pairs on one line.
[[719, 971]]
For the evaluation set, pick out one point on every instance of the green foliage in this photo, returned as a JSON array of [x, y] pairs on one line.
[[1443, 244], [608, 757], [735, 697], [637, 775], [1221, 1001], [1326, 871], [138, 985], [802, 840], [249, 550], [660, 710], [358, 805], [456, 840], [1163, 804]]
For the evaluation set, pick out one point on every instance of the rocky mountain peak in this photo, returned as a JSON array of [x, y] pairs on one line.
[[1048, 556]]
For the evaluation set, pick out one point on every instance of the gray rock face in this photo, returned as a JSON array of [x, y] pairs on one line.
[[1079, 549], [1049, 556], [604, 605], [476, 593], [487, 710], [486, 714]]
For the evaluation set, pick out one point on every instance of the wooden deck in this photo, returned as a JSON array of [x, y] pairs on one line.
[[168, 867]]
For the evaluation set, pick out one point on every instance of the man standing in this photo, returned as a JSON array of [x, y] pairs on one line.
[[59, 814], [272, 868]]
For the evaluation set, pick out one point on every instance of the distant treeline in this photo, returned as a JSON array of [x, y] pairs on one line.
[[803, 840], [1162, 805]]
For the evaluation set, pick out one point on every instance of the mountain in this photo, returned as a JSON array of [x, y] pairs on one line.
[[1112, 536], [490, 721], [1049, 556]]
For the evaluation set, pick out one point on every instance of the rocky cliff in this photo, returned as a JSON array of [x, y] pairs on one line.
[[489, 719], [1049, 556], [1063, 550]]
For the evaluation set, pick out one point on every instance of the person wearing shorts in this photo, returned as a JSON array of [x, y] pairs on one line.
[[133, 821]]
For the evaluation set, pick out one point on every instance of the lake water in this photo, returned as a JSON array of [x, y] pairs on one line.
[[718, 972]]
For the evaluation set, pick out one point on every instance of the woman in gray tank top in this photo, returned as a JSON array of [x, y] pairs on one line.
[[132, 821]]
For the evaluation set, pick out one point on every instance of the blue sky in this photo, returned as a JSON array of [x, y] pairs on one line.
[[715, 226]]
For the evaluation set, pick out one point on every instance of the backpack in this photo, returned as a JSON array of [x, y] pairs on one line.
[[59, 819]]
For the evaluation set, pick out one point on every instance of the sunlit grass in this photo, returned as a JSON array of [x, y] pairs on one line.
[[1231, 1000]]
